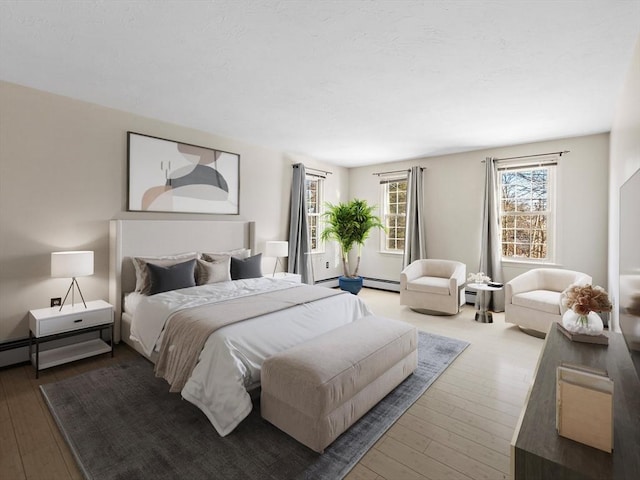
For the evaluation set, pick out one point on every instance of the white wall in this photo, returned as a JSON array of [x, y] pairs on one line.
[[624, 161], [63, 176], [453, 196]]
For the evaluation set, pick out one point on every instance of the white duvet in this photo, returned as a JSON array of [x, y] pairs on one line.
[[230, 362]]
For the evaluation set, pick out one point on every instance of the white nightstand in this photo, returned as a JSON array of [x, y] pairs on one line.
[[289, 277], [48, 324]]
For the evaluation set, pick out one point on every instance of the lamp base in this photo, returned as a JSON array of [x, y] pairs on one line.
[[276, 266], [74, 283]]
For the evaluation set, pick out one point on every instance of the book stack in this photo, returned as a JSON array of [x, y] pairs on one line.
[[584, 405], [601, 339]]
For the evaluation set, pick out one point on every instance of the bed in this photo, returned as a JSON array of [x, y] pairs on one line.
[[227, 367]]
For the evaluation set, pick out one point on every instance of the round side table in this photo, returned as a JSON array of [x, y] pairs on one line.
[[482, 313]]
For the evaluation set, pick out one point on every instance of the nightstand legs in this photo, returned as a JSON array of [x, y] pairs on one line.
[[37, 355], [111, 339], [87, 348]]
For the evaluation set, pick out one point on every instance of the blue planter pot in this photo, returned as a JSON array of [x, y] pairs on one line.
[[351, 285]]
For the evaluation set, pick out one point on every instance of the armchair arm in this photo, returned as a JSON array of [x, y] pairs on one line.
[[410, 272], [458, 279], [524, 282]]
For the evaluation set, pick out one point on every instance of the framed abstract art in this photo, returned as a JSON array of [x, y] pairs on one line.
[[169, 176]]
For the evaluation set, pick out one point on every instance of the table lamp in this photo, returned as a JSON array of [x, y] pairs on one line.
[[277, 249], [72, 264]]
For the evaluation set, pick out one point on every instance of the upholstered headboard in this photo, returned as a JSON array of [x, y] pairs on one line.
[[133, 238]]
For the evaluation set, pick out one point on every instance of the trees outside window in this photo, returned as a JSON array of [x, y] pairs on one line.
[[394, 213], [526, 212], [314, 191]]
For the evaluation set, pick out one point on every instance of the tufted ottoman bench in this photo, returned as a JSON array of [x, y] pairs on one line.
[[316, 390]]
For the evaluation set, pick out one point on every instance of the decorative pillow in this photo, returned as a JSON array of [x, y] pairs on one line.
[[171, 277], [241, 253], [213, 272], [246, 268], [140, 264]]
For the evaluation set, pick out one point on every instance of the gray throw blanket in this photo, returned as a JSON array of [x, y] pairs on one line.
[[188, 330]]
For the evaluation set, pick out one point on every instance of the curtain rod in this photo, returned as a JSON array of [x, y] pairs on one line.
[[531, 156], [325, 172], [395, 171]]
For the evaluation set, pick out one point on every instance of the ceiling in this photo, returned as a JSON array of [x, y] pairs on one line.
[[348, 82]]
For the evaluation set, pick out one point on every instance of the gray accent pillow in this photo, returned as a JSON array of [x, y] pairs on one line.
[[171, 277], [246, 268], [213, 271], [142, 273]]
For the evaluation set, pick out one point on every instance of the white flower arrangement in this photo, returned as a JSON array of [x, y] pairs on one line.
[[479, 277]]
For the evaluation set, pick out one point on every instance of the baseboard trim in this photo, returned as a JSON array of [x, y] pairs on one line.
[[382, 284], [327, 282], [470, 297], [12, 344], [14, 352]]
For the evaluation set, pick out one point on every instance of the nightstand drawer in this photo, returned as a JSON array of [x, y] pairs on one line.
[[51, 321], [75, 321]]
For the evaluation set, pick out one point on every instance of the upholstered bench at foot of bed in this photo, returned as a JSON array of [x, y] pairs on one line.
[[318, 389]]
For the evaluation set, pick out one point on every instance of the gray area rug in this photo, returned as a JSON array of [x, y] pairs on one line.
[[121, 423]]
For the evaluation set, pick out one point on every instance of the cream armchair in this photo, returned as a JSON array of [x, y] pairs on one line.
[[532, 300], [433, 286]]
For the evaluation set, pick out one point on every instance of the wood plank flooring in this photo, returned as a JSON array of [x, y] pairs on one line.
[[459, 429]]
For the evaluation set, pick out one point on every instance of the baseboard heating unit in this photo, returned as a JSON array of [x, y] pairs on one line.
[[470, 296]]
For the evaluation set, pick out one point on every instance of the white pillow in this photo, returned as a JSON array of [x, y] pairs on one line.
[[143, 282], [240, 253], [213, 272]]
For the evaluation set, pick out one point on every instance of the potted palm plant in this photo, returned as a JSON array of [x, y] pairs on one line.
[[350, 224]]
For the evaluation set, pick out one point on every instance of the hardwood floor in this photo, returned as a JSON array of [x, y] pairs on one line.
[[459, 429]]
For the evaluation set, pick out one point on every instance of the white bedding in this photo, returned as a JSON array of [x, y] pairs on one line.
[[131, 301], [232, 357], [153, 311]]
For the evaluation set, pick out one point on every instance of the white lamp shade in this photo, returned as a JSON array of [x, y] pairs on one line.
[[277, 249], [71, 264]]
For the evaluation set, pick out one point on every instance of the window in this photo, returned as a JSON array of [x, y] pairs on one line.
[[314, 187], [526, 196], [394, 213]]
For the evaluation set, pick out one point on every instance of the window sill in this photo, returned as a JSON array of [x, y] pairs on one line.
[[393, 254], [529, 263]]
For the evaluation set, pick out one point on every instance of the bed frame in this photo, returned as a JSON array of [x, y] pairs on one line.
[[133, 238]]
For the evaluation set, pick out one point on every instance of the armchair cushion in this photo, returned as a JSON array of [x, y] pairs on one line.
[[429, 285], [543, 300]]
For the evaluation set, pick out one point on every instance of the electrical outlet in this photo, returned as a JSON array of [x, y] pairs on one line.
[[326, 265], [55, 302]]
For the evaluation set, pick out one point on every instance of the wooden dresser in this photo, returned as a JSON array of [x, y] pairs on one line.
[[538, 452]]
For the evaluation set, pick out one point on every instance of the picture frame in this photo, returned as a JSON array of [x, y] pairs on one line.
[[175, 177]]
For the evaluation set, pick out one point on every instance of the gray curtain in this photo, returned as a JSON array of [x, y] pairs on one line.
[[299, 244], [415, 245], [490, 252]]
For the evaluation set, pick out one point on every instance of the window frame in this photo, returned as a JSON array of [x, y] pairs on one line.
[[384, 212], [318, 222], [550, 166]]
